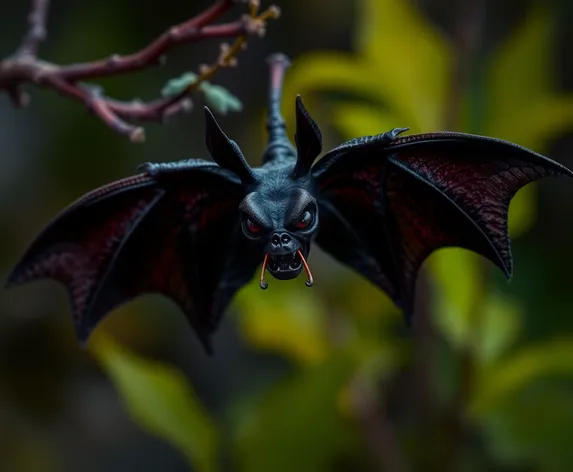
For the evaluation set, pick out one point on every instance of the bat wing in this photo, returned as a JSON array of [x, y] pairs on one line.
[[387, 202], [169, 230]]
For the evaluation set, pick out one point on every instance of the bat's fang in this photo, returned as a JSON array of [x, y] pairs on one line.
[[310, 280], [264, 285]]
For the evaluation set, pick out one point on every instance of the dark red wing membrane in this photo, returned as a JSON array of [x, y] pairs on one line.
[[78, 247], [481, 175], [422, 220], [182, 249], [165, 233], [353, 228], [404, 198], [349, 246]]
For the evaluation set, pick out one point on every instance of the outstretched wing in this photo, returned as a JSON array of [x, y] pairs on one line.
[[387, 202], [169, 230]]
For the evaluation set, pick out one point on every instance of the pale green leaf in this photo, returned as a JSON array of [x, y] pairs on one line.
[[402, 64], [469, 315], [356, 119], [298, 425], [540, 119], [176, 86], [522, 106], [504, 378], [412, 59], [329, 72], [497, 327], [456, 278], [522, 211], [288, 319], [161, 401], [522, 70], [220, 99]]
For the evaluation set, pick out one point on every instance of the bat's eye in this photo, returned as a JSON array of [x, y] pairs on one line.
[[252, 227], [305, 220]]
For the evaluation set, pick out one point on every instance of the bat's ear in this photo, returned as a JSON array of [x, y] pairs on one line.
[[308, 139], [224, 151]]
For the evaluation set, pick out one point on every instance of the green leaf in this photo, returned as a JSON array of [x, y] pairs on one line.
[[162, 402], [456, 275], [523, 106], [504, 378], [298, 425], [523, 69], [412, 59], [220, 99], [522, 211], [289, 319], [499, 326], [537, 121], [329, 72], [470, 315], [356, 119], [177, 85], [323, 73]]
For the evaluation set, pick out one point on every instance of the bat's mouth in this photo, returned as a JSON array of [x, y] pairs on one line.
[[288, 265], [285, 266]]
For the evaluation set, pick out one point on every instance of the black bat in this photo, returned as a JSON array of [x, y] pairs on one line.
[[196, 231]]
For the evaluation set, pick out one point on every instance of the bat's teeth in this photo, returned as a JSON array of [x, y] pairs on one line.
[[295, 261], [284, 262]]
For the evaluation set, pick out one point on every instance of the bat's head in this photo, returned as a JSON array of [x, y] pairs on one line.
[[282, 218], [279, 213]]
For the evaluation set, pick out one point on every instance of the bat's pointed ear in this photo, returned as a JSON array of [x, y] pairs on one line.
[[308, 140], [224, 151]]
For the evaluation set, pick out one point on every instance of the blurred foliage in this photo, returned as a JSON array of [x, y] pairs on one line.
[[350, 390], [159, 398], [302, 415], [297, 327]]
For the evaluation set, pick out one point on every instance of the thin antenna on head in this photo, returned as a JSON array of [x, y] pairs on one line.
[[279, 145]]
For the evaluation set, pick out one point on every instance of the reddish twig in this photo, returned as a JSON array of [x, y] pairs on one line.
[[36, 28], [24, 67]]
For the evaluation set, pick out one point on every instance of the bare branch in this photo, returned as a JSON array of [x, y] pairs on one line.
[[151, 54], [36, 28], [25, 68]]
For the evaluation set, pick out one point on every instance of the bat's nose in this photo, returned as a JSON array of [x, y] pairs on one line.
[[278, 239], [281, 243]]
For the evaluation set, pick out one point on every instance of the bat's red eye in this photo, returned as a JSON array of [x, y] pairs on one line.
[[305, 220], [252, 227]]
